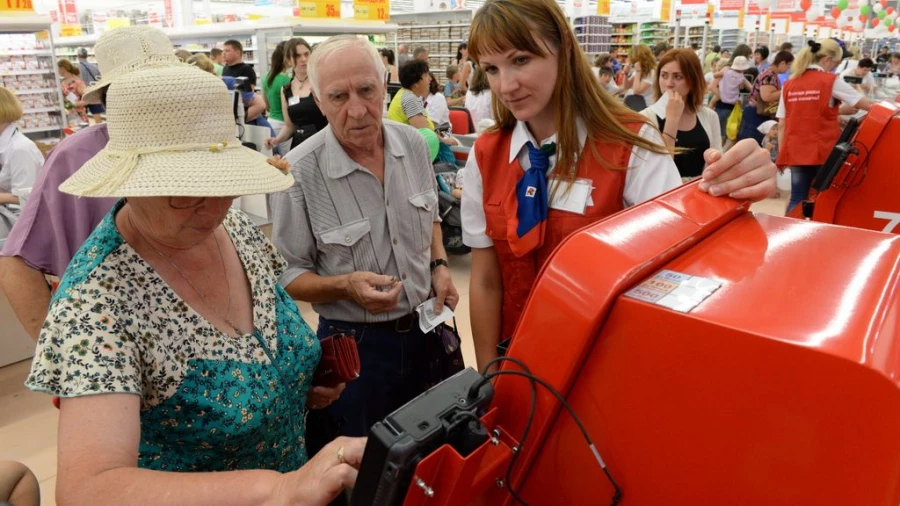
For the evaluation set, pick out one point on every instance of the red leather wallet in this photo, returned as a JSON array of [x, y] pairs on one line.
[[340, 361]]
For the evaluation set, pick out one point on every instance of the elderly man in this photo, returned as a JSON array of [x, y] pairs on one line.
[[53, 225], [421, 53], [361, 233]]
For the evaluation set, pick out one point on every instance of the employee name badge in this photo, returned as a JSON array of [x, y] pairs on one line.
[[574, 198], [293, 100]]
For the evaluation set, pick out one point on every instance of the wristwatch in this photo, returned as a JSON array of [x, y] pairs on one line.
[[439, 261]]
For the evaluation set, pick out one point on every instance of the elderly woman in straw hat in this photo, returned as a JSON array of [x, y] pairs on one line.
[[170, 341]]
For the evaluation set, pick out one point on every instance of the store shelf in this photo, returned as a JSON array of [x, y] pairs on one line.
[[36, 92], [40, 129], [31, 52], [25, 72], [40, 109], [423, 41], [448, 25]]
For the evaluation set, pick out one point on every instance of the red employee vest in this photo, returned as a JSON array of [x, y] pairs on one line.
[[499, 179], [811, 120]]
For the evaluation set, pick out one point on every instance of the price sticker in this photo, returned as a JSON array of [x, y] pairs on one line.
[[371, 10], [320, 9], [16, 6]]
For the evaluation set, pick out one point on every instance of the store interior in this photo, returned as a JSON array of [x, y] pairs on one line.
[[764, 277]]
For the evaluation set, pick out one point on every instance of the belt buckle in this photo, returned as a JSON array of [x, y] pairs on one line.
[[399, 322]]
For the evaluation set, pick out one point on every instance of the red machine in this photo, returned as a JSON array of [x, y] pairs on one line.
[[714, 357], [848, 192]]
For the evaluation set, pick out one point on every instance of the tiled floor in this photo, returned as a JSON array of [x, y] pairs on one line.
[[28, 420]]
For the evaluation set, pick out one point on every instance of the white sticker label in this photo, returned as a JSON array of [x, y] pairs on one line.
[[675, 290]]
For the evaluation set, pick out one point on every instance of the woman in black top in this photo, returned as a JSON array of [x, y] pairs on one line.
[[302, 117], [686, 125]]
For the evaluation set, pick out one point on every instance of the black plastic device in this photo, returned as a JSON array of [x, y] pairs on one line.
[[445, 414], [837, 157]]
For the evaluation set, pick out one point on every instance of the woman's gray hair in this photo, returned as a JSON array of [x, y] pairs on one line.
[[333, 45]]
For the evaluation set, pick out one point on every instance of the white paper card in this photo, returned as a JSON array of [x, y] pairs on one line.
[[293, 100], [428, 320], [574, 199]]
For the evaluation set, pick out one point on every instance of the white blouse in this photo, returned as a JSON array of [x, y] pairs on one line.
[[479, 106], [20, 161], [649, 175]]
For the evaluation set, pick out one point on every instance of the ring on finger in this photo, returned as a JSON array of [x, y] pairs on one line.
[[340, 455]]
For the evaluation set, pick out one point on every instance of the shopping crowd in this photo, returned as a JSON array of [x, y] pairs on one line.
[[173, 342]]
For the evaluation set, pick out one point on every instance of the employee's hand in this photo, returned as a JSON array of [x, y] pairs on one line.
[[444, 291], [745, 172], [321, 479], [322, 397], [675, 107], [270, 143], [376, 293]]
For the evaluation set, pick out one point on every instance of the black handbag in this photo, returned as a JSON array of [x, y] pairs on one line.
[[443, 353]]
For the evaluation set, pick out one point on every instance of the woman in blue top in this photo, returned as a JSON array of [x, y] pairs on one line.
[[183, 367]]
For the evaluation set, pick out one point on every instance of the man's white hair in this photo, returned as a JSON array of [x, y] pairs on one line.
[[334, 44]]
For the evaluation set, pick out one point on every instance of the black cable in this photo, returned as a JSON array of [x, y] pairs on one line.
[[617, 496], [487, 378]]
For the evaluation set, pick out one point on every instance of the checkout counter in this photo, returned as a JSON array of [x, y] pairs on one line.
[[704, 355]]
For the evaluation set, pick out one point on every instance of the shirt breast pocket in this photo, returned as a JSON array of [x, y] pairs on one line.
[[342, 240], [423, 206]]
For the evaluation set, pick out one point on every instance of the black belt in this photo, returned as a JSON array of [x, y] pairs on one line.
[[403, 324]]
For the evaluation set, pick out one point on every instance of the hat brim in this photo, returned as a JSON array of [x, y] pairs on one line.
[[229, 173]]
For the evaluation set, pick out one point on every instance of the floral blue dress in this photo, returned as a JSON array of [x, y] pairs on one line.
[[209, 402]]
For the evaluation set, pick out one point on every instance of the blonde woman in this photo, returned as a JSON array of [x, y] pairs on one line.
[[641, 72], [555, 123], [810, 127], [20, 158]]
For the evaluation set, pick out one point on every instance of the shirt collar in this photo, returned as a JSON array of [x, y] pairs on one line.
[[6, 135], [341, 165], [815, 67], [522, 136]]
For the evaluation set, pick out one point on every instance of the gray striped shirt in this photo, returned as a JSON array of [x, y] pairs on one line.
[[337, 218]]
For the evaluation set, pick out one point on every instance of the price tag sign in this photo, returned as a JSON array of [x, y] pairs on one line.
[[603, 7], [113, 23], [666, 11], [371, 10], [321, 9], [70, 30], [18, 6]]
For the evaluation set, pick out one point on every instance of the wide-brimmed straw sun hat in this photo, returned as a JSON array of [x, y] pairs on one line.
[[173, 141], [125, 50]]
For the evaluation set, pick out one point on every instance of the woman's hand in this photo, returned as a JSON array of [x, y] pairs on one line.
[[322, 397], [637, 66], [746, 172], [271, 143], [318, 482], [675, 107]]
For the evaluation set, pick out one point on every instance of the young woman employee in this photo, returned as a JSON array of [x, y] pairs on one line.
[[554, 124], [808, 111]]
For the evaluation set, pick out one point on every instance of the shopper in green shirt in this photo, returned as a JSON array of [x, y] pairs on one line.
[[217, 56], [272, 84], [712, 55]]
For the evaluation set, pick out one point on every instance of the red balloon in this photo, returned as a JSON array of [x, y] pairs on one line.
[[863, 18], [892, 27], [884, 3], [875, 22], [889, 10], [835, 12], [805, 5]]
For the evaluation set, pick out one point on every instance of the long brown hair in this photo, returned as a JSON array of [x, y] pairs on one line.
[[642, 54], [689, 66], [503, 25]]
